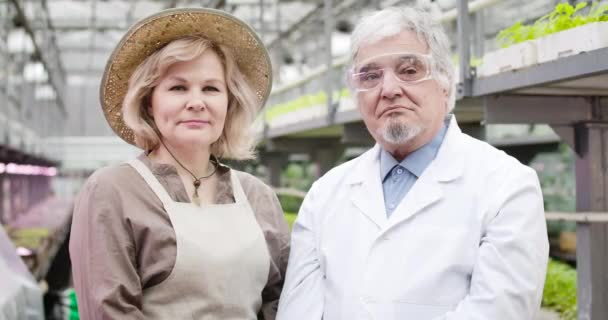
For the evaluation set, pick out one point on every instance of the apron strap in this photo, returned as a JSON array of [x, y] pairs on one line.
[[151, 180], [237, 189]]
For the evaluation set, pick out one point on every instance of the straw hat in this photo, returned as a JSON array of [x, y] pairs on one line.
[[154, 32]]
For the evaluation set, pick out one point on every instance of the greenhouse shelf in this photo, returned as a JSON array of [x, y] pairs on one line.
[[582, 74]]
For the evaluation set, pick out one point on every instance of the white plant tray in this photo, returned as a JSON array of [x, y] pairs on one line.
[[573, 41], [515, 57]]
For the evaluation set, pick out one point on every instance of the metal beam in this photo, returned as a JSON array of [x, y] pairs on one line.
[[582, 217], [348, 116], [86, 71], [473, 6], [87, 50], [218, 4], [298, 127], [313, 13], [300, 145], [82, 27], [48, 55], [296, 25], [556, 110]]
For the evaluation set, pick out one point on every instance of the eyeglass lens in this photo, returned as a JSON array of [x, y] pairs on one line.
[[407, 68]]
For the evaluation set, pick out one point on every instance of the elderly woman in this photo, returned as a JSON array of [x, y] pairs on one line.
[[175, 234]]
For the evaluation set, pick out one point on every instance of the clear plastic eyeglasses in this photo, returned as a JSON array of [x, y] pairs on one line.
[[406, 67]]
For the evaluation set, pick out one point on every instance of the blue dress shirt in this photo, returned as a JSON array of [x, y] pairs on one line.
[[399, 177]]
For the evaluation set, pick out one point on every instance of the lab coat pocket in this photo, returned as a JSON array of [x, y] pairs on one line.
[[398, 310]]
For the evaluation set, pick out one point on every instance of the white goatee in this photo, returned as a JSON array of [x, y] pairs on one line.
[[398, 132]]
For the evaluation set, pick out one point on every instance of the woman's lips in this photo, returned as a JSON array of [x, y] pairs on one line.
[[194, 123]]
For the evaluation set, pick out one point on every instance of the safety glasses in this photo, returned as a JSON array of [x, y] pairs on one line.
[[406, 67]]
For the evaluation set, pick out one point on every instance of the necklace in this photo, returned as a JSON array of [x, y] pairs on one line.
[[197, 181]]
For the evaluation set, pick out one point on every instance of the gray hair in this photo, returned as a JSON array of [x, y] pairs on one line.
[[392, 21]]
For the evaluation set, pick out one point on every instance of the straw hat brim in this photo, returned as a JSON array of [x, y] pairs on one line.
[[156, 31]]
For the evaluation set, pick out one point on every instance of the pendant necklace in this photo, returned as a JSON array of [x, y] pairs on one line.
[[197, 181]]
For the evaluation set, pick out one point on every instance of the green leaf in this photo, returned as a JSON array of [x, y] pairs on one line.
[[560, 290], [563, 17]]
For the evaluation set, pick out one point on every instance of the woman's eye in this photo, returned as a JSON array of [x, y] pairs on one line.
[[177, 88], [211, 88]]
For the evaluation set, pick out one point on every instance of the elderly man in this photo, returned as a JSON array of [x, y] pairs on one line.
[[428, 224]]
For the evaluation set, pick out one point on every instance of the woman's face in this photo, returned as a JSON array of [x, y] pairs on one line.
[[190, 102]]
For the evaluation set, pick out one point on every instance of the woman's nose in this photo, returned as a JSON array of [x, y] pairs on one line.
[[195, 102]]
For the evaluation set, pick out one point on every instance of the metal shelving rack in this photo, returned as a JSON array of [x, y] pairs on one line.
[[37, 18], [571, 95], [584, 74]]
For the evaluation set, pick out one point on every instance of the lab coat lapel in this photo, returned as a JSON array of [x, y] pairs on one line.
[[366, 187], [428, 189], [425, 192]]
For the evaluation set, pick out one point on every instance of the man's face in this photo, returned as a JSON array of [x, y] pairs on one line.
[[399, 100]]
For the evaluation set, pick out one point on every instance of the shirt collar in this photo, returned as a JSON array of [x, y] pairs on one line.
[[418, 160]]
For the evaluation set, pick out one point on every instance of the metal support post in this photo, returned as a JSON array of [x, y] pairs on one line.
[[15, 196], [592, 195], [356, 134], [280, 50], [326, 158], [2, 195], [464, 50], [274, 162], [262, 26], [329, 27]]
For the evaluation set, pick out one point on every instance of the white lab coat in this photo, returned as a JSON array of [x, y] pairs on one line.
[[468, 241]]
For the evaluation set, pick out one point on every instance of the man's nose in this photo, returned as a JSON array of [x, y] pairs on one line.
[[391, 87]]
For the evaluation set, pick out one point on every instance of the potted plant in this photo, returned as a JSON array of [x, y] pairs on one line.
[[518, 50], [568, 33], [564, 31]]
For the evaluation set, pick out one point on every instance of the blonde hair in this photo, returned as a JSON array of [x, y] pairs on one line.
[[236, 141]]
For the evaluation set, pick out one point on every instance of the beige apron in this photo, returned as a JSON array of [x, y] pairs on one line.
[[222, 259]]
